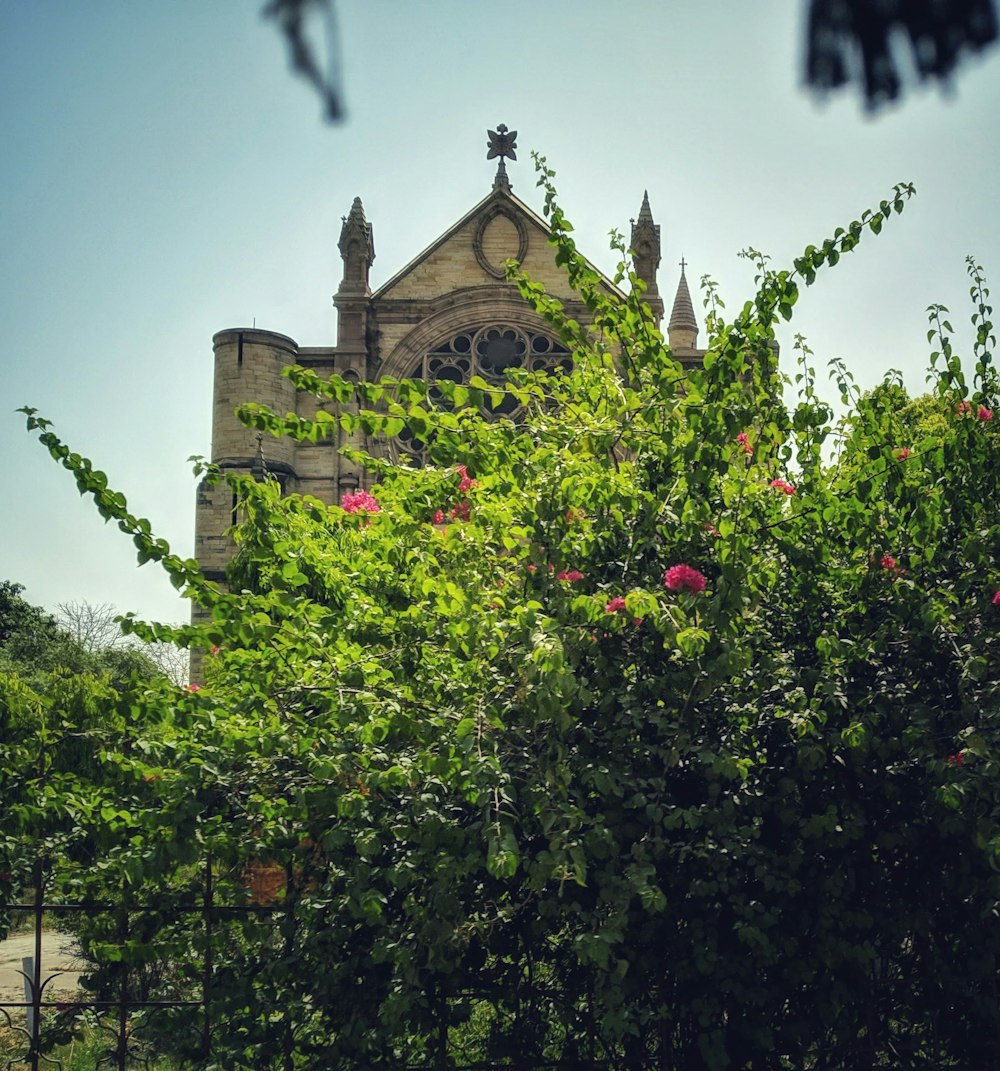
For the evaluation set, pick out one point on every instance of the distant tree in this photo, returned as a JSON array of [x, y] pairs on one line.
[[95, 627]]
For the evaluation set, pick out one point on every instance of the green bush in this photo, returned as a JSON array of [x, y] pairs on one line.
[[662, 717]]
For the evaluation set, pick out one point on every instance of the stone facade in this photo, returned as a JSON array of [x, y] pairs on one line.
[[449, 312]]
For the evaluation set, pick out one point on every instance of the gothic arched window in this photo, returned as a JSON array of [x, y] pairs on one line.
[[491, 352]]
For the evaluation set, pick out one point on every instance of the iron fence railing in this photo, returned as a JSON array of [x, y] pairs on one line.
[[124, 1019]]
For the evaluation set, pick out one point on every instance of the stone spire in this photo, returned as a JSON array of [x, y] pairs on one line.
[[353, 298], [682, 331], [645, 243], [357, 247]]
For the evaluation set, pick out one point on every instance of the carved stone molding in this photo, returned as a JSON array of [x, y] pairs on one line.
[[473, 307], [496, 270]]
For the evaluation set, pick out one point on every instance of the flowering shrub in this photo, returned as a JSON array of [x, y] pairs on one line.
[[732, 837]]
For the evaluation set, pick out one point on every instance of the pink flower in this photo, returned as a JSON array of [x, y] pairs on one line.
[[574, 515], [712, 530], [355, 501], [461, 511], [439, 516], [637, 621], [215, 648], [744, 440], [194, 687], [783, 485], [532, 568], [466, 480], [902, 455], [570, 575], [684, 578], [963, 407], [888, 561], [958, 759], [996, 598], [982, 413], [616, 604]]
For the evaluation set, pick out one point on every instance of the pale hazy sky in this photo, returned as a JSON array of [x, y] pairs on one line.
[[164, 176]]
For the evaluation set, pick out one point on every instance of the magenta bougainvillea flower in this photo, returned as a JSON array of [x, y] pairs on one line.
[[958, 759], [783, 485], [359, 501], [984, 414], [888, 561], [963, 407], [903, 454], [684, 578], [744, 440], [570, 575], [465, 480], [996, 598], [194, 687], [616, 604]]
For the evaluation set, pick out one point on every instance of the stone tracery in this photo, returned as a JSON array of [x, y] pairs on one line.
[[490, 351]]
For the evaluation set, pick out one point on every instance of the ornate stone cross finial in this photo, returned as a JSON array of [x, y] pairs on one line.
[[683, 265], [502, 143]]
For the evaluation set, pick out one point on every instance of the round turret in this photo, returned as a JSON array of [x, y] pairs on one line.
[[248, 364]]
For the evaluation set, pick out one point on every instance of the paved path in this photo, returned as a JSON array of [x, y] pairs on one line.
[[58, 954]]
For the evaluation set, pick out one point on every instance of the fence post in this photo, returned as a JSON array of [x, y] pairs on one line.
[[206, 980], [34, 1012], [121, 1048]]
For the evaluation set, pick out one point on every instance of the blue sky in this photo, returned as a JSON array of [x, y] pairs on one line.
[[165, 176]]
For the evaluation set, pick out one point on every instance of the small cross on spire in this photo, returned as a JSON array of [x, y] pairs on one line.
[[683, 265]]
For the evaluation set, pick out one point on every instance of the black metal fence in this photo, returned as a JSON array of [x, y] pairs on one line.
[[135, 1009], [38, 1024]]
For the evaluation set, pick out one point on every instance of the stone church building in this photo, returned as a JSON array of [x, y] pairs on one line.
[[447, 314]]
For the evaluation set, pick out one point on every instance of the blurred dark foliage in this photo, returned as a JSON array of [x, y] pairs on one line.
[[298, 21], [870, 40], [875, 43]]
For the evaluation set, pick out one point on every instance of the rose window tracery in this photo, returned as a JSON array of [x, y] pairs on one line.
[[491, 352]]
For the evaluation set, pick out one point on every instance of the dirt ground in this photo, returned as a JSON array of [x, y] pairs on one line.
[[58, 958]]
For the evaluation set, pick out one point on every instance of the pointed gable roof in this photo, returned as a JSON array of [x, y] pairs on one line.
[[500, 201]]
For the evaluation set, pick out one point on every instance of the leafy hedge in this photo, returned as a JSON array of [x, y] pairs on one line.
[[664, 716]]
